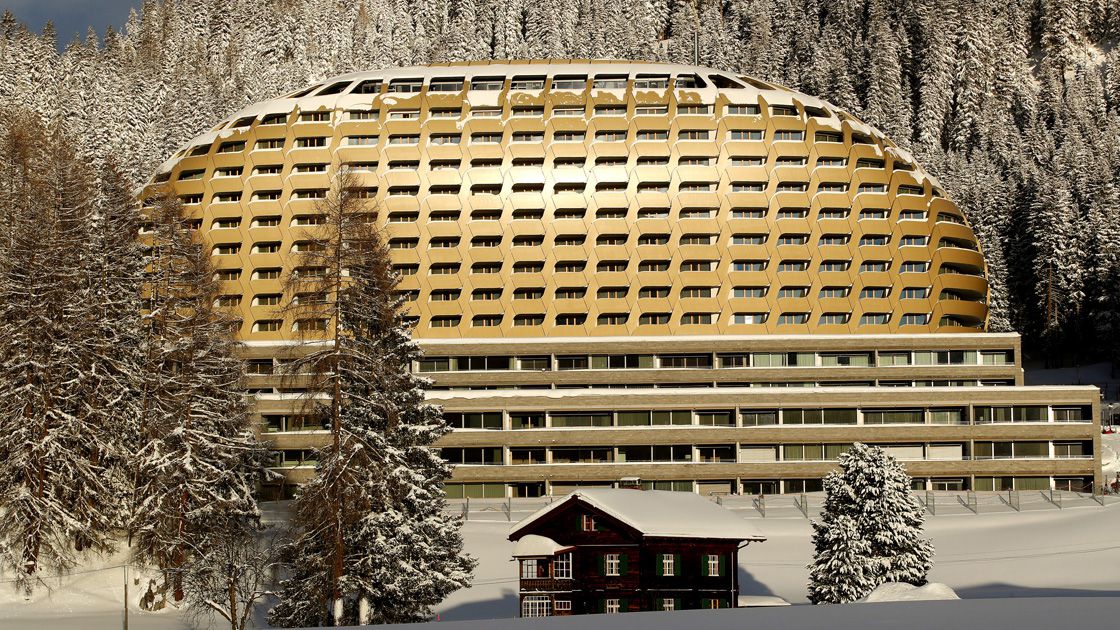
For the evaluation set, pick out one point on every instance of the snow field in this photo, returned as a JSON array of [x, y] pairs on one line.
[[1036, 553]]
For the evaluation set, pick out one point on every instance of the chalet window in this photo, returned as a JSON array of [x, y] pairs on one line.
[[536, 606], [713, 565], [612, 606], [668, 566], [612, 564], [564, 604], [668, 603], [562, 569], [532, 569], [528, 569], [588, 523]]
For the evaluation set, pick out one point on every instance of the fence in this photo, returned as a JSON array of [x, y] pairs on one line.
[[808, 506]]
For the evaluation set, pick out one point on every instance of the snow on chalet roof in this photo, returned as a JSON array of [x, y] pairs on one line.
[[658, 513], [534, 545]]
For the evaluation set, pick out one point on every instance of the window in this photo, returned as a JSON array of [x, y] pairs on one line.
[[587, 523], [787, 319], [668, 603], [612, 564], [652, 319], [746, 134], [537, 606], [743, 110], [694, 134], [668, 565], [748, 265], [266, 325], [562, 570], [611, 606], [571, 319], [713, 565]]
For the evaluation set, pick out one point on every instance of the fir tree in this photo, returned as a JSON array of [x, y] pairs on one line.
[[199, 460], [870, 530], [371, 542]]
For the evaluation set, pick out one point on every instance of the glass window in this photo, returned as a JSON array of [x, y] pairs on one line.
[[613, 565], [758, 418], [562, 567]]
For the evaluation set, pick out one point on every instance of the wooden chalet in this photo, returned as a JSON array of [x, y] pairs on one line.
[[605, 550]]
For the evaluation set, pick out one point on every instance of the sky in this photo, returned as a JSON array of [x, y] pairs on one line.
[[70, 17]]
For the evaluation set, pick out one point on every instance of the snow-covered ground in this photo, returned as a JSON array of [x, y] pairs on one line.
[[1039, 552], [1034, 553]]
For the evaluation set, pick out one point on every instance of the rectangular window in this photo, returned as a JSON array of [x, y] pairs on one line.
[[562, 568], [612, 563], [713, 564], [529, 569], [668, 566], [612, 606], [536, 606]]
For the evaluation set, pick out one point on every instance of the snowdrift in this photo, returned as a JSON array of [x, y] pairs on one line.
[[903, 592]]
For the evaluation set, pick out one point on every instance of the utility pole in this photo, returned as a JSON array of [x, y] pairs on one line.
[[125, 596]]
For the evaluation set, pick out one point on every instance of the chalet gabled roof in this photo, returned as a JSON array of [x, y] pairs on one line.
[[655, 513]]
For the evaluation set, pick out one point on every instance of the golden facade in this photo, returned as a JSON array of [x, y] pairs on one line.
[[639, 270], [600, 199]]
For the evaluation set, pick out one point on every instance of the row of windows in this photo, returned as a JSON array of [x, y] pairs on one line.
[[748, 486], [980, 414], [496, 420], [539, 82], [538, 187], [495, 214], [747, 265], [686, 319], [757, 453], [557, 136], [997, 382], [883, 358], [580, 239], [621, 292], [529, 162]]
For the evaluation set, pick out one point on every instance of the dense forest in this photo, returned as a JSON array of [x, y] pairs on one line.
[[1013, 104]]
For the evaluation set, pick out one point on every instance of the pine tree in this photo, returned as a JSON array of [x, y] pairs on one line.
[[199, 461], [371, 541], [870, 530], [56, 399]]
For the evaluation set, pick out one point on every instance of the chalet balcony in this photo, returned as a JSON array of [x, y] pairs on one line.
[[547, 584]]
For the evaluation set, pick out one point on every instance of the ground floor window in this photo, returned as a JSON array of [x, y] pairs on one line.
[[612, 606], [668, 603], [538, 606], [563, 605], [715, 603]]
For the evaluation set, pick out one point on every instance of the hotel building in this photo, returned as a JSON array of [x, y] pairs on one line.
[[621, 270]]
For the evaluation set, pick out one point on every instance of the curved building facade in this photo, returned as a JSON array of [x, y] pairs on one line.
[[599, 199], [638, 235]]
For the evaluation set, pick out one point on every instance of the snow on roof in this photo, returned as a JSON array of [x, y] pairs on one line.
[[658, 513], [534, 545]]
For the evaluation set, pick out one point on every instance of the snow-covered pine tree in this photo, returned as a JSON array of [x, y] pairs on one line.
[[199, 460], [54, 418], [870, 530], [371, 542], [113, 346]]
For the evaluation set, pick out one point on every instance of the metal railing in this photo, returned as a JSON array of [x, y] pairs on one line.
[[937, 503]]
